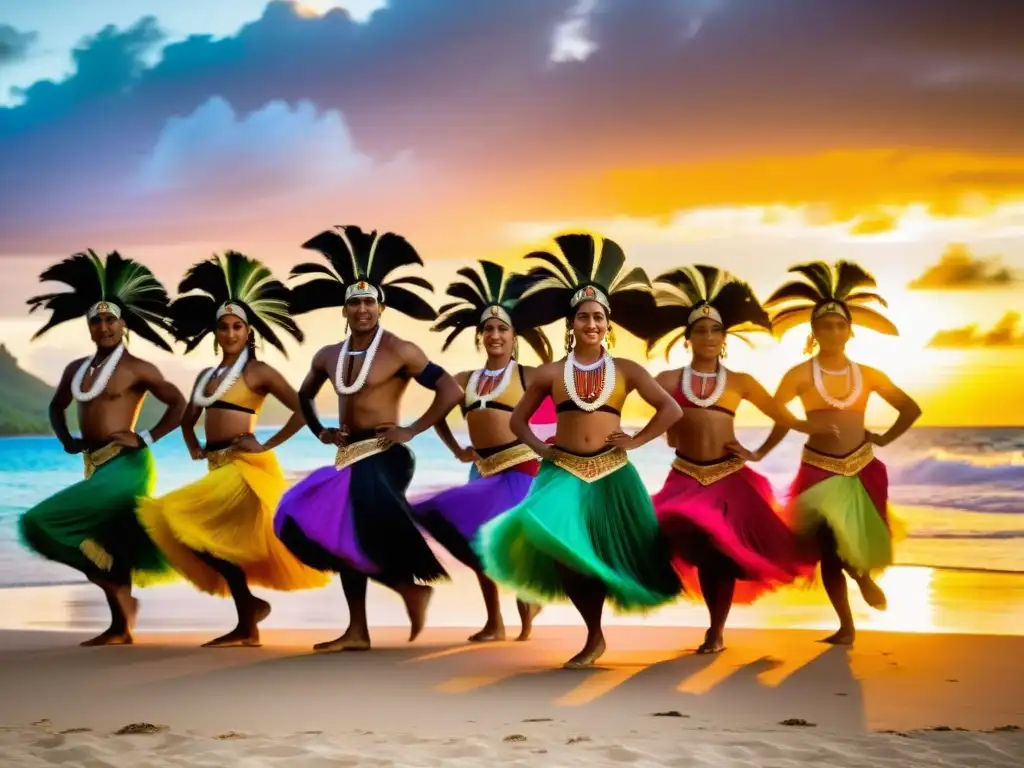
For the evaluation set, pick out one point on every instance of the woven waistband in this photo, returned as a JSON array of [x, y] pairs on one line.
[[353, 452], [93, 460], [849, 465], [505, 459], [591, 468], [708, 473]]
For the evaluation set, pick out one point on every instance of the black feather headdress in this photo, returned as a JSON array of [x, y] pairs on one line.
[[359, 264], [689, 294], [581, 267], [490, 292], [232, 279], [129, 289], [826, 289]]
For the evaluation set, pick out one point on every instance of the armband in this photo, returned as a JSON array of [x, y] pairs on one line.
[[429, 376]]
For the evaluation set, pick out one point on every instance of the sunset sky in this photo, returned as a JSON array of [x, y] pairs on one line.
[[749, 135]]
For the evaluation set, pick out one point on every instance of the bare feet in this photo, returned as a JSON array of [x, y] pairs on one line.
[[247, 633], [417, 598], [527, 613], [872, 593], [490, 633], [592, 651], [125, 609], [844, 636], [713, 643], [352, 640]]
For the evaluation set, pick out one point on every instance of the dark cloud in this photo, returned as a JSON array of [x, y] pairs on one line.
[[468, 86], [1006, 333], [14, 44], [959, 269]]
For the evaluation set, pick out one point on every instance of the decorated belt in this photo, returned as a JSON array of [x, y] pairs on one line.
[[219, 458], [505, 459], [95, 459], [591, 468], [706, 474], [353, 452], [849, 465]]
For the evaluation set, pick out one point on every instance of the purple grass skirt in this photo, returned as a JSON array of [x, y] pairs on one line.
[[453, 516], [358, 518]]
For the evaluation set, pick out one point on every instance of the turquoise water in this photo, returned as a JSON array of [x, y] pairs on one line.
[[961, 491]]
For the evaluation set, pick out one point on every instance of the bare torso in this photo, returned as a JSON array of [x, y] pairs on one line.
[[703, 433], [117, 408], [581, 431], [489, 427], [378, 403], [850, 420], [222, 425]]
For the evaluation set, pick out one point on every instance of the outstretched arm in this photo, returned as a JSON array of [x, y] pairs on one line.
[[58, 410], [189, 421], [909, 410], [537, 388], [150, 379], [784, 395], [444, 431], [308, 391], [273, 382], [447, 392], [668, 411]]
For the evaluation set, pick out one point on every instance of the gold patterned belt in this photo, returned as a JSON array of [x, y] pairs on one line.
[[219, 458], [591, 468], [706, 474], [350, 454], [505, 459], [95, 459], [849, 465]]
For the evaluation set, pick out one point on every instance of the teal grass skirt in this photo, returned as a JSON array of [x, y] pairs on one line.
[[605, 529]]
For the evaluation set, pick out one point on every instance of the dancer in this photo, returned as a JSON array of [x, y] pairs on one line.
[[719, 515], [91, 526], [839, 499], [503, 466], [353, 517], [586, 530], [218, 531]]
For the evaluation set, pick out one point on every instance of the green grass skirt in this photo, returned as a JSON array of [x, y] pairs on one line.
[[92, 527], [606, 530]]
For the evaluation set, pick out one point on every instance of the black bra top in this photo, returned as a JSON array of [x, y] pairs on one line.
[[230, 407], [569, 405]]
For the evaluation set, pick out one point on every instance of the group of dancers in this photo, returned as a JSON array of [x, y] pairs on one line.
[[550, 519]]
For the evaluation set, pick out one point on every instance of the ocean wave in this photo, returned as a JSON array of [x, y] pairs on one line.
[[941, 468]]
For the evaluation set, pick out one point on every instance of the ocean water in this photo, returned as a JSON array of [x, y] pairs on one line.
[[959, 491]]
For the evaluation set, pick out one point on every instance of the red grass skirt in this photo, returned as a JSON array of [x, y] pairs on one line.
[[733, 523]]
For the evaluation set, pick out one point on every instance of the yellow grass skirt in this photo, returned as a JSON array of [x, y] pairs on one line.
[[228, 514]]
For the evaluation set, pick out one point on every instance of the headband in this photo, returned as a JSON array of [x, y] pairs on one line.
[[589, 293], [702, 311], [361, 289], [229, 308], [105, 308], [496, 311], [832, 308]]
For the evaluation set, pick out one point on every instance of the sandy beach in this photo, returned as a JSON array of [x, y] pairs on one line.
[[774, 698]]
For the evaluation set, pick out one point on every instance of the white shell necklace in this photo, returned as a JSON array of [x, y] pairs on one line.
[[339, 370], [608, 386], [494, 394], [852, 372], [199, 396], [99, 384], [716, 393]]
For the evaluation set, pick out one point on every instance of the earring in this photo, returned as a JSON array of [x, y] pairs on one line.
[[346, 326], [216, 346], [515, 349], [686, 344], [610, 338], [568, 339], [724, 353], [810, 345]]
